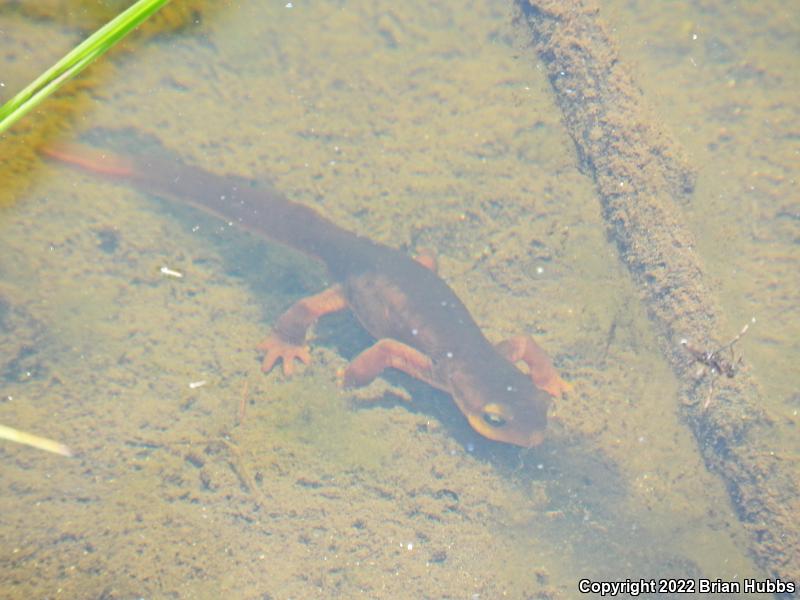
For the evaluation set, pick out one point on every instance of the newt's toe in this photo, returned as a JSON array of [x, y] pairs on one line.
[[275, 349], [555, 386]]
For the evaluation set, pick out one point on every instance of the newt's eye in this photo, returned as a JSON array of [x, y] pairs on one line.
[[494, 419]]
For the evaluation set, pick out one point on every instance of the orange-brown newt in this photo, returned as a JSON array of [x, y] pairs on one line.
[[421, 326]]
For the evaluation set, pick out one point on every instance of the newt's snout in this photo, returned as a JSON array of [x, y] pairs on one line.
[[511, 410]]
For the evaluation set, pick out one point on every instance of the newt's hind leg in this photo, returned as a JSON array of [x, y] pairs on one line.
[[383, 354], [287, 341], [542, 371]]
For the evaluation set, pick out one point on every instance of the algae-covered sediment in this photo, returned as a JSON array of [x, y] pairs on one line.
[[416, 125]]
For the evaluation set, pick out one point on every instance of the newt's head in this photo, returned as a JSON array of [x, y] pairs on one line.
[[505, 407]]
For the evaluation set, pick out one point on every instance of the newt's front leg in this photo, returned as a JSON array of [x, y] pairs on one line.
[[287, 341], [542, 372], [383, 354]]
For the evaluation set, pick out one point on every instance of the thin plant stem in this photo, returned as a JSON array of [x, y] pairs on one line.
[[76, 60]]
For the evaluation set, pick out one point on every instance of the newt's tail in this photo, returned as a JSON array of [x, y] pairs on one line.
[[90, 159], [260, 208]]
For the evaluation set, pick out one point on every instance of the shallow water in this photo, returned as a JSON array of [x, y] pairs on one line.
[[419, 126]]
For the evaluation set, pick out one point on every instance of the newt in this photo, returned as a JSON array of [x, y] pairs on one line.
[[422, 328]]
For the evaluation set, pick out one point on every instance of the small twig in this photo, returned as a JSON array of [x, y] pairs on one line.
[[21, 437], [243, 402], [243, 473], [715, 361]]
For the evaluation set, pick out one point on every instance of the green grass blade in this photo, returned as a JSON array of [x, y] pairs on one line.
[[76, 60]]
